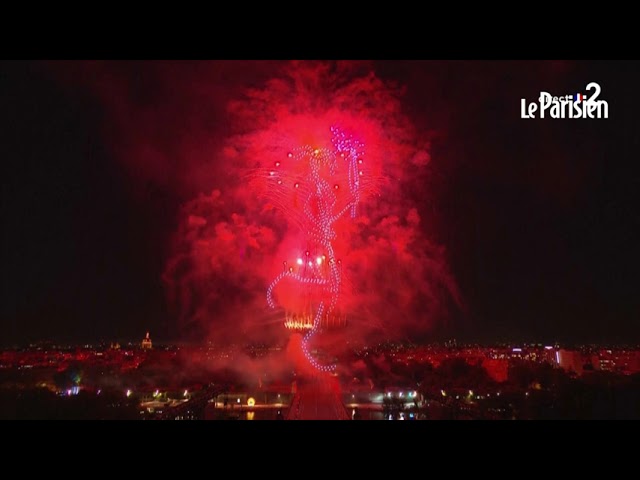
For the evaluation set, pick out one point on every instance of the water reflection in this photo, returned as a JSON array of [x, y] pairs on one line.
[[271, 414]]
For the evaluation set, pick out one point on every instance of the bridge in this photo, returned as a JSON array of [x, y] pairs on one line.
[[316, 398], [195, 406]]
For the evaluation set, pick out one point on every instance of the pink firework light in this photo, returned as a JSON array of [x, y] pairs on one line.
[[320, 210]]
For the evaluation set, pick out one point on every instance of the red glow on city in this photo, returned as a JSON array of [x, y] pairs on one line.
[[293, 240]]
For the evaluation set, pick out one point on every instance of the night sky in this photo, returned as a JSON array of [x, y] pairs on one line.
[[540, 218]]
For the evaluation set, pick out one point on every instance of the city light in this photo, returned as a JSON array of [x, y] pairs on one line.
[[246, 188], [153, 407]]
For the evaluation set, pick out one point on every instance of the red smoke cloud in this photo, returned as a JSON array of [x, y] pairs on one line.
[[212, 127], [232, 242]]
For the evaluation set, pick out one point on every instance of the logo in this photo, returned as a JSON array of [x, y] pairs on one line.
[[578, 105]]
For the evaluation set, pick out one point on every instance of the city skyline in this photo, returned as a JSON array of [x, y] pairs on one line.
[[383, 382]]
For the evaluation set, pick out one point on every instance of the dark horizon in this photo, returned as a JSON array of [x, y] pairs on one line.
[[538, 218]]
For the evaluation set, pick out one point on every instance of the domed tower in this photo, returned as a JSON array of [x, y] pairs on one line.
[[146, 342]]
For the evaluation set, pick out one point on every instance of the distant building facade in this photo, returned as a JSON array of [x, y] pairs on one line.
[[571, 361]]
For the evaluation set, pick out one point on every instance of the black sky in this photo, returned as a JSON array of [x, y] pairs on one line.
[[540, 218]]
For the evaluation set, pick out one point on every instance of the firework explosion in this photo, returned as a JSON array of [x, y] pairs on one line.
[[212, 133], [320, 204], [290, 190]]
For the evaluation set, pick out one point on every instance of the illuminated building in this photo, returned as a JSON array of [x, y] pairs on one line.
[[622, 361], [146, 343], [570, 361], [549, 355]]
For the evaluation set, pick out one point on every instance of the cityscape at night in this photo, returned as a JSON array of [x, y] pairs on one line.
[[392, 381], [320, 240]]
